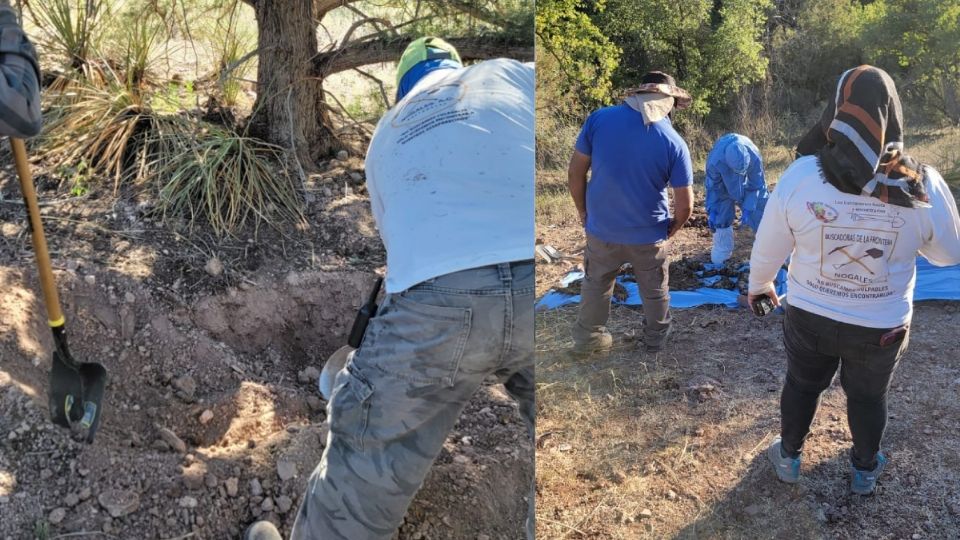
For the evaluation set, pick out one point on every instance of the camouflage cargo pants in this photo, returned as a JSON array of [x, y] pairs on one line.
[[424, 355]]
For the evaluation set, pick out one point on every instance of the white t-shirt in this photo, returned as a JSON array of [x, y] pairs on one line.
[[450, 172], [853, 257]]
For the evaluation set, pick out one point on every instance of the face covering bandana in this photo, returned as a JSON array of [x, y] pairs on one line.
[[859, 141]]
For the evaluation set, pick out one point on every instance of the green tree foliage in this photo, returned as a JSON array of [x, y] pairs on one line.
[[579, 56], [919, 42], [712, 48]]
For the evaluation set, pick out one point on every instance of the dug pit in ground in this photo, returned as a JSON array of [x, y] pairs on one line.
[[212, 417]]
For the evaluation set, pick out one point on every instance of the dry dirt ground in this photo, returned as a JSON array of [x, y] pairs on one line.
[[182, 335], [631, 445]]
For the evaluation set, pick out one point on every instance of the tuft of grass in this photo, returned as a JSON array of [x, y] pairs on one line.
[[231, 41], [212, 174]]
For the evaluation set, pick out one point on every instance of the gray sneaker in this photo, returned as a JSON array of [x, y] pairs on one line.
[[865, 482], [262, 530], [787, 468]]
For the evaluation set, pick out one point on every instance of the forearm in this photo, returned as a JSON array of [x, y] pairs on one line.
[[578, 191], [772, 246], [577, 181]]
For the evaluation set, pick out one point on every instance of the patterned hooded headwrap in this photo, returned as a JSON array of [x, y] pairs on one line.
[[859, 141]]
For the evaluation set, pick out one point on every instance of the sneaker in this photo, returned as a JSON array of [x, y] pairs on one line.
[[596, 344], [262, 530], [864, 482], [788, 468]]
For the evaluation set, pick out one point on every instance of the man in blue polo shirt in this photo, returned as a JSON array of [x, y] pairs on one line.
[[634, 154]]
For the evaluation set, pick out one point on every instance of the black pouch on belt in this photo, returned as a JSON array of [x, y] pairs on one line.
[[367, 311]]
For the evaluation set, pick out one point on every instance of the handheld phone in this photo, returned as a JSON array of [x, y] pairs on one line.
[[763, 306]]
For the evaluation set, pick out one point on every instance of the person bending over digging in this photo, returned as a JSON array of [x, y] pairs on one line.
[[20, 84], [734, 178], [634, 154], [450, 172], [854, 211]]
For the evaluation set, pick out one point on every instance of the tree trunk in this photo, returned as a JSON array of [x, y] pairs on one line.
[[951, 102], [289, 111]]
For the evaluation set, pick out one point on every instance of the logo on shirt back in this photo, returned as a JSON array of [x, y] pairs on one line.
[[855, 255], [823, 212]]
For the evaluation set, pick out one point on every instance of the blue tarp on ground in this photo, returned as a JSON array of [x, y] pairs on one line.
[[933, 283]]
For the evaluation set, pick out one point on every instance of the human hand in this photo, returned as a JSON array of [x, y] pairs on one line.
[[674, 228], [770, 293]]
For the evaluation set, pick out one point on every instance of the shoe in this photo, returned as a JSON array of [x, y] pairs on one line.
[[653, 349], [787, 468], [596, 344], [865, 482], [262, 530]]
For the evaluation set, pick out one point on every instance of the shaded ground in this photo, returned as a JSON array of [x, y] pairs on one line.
[[217, 353], [631, 445]]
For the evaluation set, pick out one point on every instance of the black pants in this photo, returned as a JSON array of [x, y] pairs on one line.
[[816, 346]]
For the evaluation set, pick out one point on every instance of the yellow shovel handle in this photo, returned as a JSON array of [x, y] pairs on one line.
[[54, 314]]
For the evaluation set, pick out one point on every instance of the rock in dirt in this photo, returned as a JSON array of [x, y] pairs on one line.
[[119, 503], [187, 502], [308, 375], [342, 155], [206, 416], [85, 494], [284, 504], [286, 470], [210, 480], [128, 323], [646, 513], [267, 505], [171, 439], [71, 500], [255, 488], [315, 403], [90, 279], [57, 516], [129, 297], [186, 386], [214, 267], [232, 485], [192, 476]]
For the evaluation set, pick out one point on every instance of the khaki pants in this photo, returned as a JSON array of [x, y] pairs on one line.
[[602, 261]]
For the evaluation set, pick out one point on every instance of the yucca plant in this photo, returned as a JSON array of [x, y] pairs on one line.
[[139, 49], [231, 41], [209, 173], [104, 126], [70, 28]]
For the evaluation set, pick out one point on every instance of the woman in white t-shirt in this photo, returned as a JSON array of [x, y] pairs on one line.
[[853, 213]]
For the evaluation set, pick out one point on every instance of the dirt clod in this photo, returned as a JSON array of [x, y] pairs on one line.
[[119, 503], [172, 440], [308, 375], [214, 266], [286, 470], [57, 515]]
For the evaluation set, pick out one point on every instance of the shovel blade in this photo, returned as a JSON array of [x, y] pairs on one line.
[[66, 391], [76, 393], [94, 379]]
